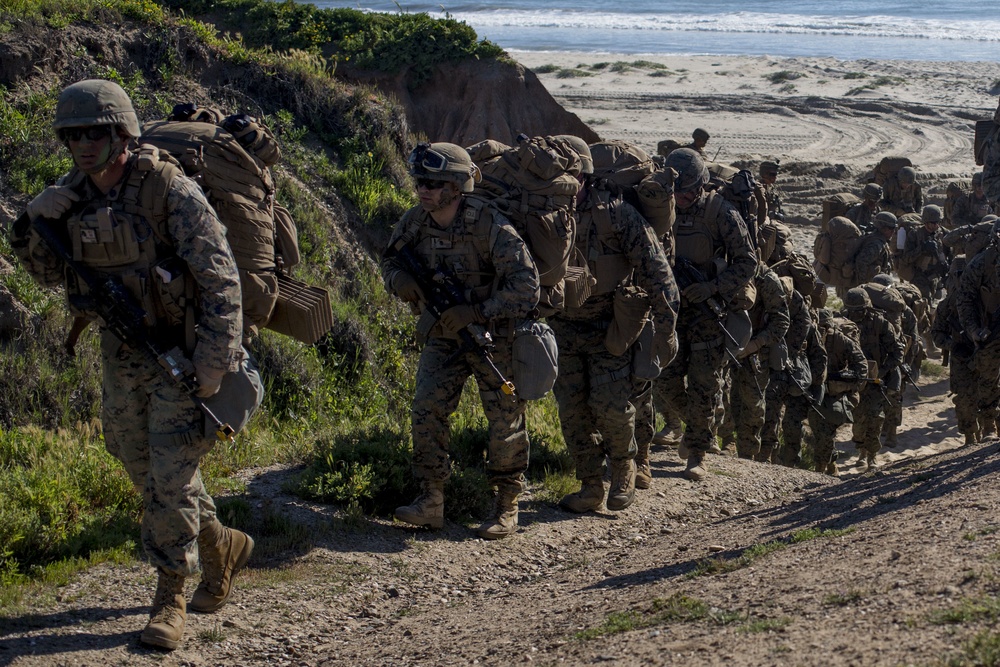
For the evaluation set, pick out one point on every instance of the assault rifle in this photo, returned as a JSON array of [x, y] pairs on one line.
[[124, 317], [905, 372], [686, 274], [442, 290], [813, 403], [850, 377]]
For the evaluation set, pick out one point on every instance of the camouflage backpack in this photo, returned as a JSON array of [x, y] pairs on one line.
[[534, 185], [888, 169], [905, 225], [837, 205], [834, 250], [627, 170], [230, 157]]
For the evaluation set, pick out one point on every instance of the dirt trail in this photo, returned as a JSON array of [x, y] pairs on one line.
[[913, 539]]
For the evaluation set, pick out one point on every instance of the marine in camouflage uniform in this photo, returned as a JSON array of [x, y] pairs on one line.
[[596, 388], [978, 303], [846, 366], [863, 213], [881, 344], [926, 254], [874, 256], [990, 153], [150, 423], [707, 227], [903, 193], [973, 206], [963, 378], [466, 238], [769, 319], [780, 386]]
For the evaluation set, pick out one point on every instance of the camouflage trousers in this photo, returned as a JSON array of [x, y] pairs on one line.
[[645, 416], [441, 375], [154, 429], [593, 391], [964, 381], [746, 402], [824, 440], [700, 361], [987, 362], [869, 416]]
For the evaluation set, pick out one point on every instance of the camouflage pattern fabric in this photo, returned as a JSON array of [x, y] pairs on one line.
[[980, 280], [594, 387], [862, 216], [970, 209], [880, 342], [991, 163], [873, 257], [797, 407], [963, 380], [701, 354], [150, 425], [899, 199], [925, 252], [770, 317], [844, 357], [441, 373]]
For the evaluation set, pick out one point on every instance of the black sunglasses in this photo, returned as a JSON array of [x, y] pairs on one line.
[[430, 184], [94, 133]]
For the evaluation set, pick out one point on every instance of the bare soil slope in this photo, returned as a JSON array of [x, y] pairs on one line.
[[758, 565]]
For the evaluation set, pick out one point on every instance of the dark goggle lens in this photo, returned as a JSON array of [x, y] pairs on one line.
[[95, 133], [429, 184], [424, 157]]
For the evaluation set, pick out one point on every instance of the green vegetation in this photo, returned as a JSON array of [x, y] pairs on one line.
[[843, 599], [783, 76], [983, 650], [340, 408], [547, 69], [678, 608], [720, 565], [855, 75], [572, 73], [876, 83], [968, 610]]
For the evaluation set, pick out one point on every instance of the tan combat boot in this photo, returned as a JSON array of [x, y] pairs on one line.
[[643, 472], [832, 470], [167, 616], [427, 509], [589, 498], [696, 470], [971, 437], [872, 464], [503, 517], [622, 491], [670, 435], [224, 552], [989, 429], [890, 441]]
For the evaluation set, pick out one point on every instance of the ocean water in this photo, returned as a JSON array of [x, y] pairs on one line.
[[847, 29]]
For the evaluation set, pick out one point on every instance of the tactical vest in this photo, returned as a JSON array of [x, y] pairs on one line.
[[123, 234], [696, 234], [466, 254]]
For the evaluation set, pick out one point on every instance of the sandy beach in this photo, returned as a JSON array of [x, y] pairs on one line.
[[798, 110]]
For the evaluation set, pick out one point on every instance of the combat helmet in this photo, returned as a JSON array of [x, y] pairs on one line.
[[442, 161], [907, 175], [769, 167], [580, 147], [857, 299], [931, 213], [699, 133], [96, 102], [872, 191], [884, 220], [882, 279], [692, 173]]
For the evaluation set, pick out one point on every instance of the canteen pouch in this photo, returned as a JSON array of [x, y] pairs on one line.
[[631, 310], [645, 365], [535, 359], [238, 398]]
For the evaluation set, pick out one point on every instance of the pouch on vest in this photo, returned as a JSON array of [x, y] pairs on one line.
[[800, 373], [169, 278], [238, 398], [535, 358], [579, 284], [740, 327], [103, 239], [631, 310], [286, 238], [837, 410]]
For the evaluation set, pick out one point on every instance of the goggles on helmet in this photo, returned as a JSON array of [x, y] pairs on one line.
[[424, 157]]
